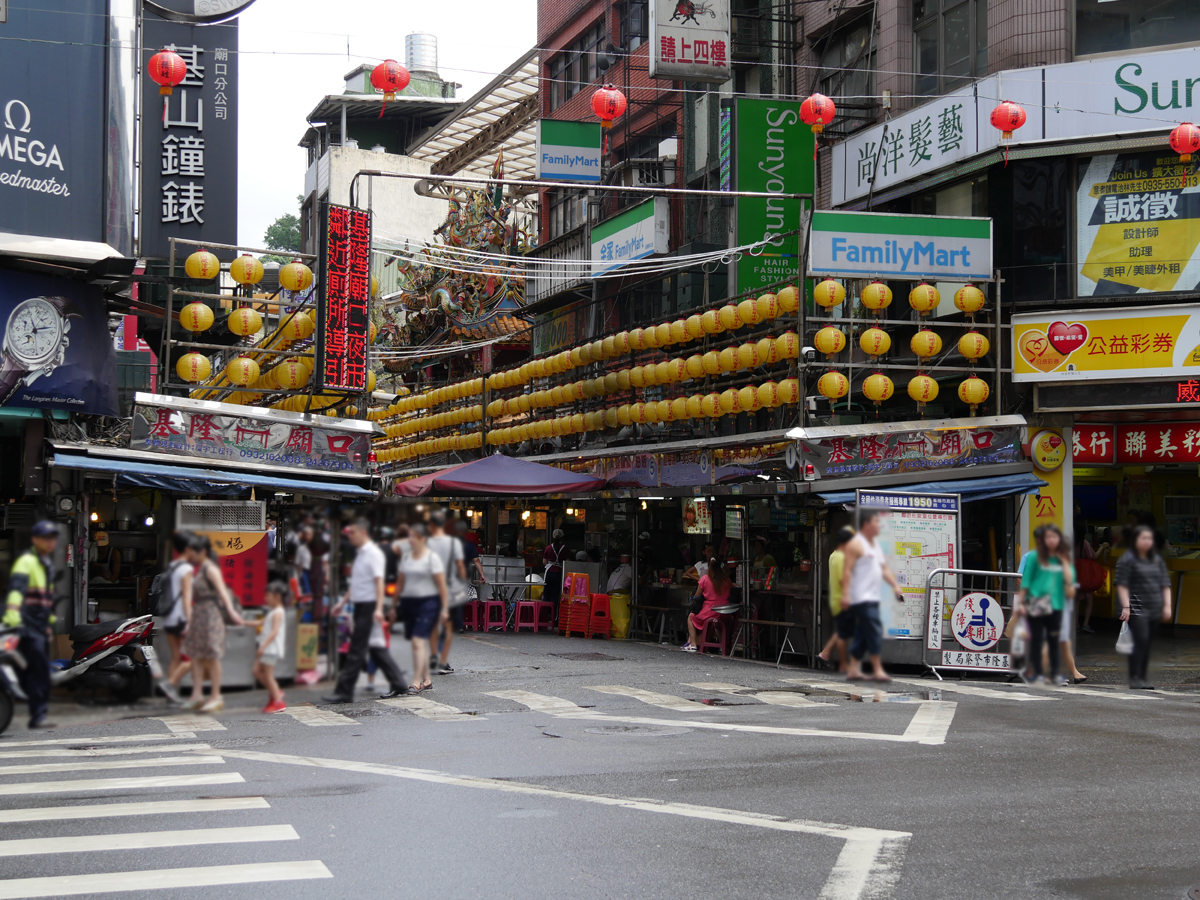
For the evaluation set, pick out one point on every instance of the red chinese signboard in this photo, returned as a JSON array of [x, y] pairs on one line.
[[1092, 444], [1176, 442], [343, 316], [243, 561]]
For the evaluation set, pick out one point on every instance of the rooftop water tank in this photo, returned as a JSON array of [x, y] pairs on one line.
[[420, 53]]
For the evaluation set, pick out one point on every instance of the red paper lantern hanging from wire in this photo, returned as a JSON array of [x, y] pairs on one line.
[[817, 111], [1185, 140], [608, 103], [389, 77], [166, 69], [1008, 117]]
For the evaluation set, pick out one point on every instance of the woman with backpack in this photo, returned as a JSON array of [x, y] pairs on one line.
[[174, 597]]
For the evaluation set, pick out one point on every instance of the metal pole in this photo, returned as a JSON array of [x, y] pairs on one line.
[[999, 343], [166, 349]]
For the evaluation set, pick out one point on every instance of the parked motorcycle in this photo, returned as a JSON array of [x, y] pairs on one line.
[[114, 655], [10, 661]]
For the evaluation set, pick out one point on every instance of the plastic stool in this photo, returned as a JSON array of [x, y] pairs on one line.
[[545, 616], [527, 615], [600, 619], [725, 625], [494, 613], [472, 615]]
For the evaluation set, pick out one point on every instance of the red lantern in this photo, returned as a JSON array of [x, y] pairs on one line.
[[817, 111], [1008, 117], [1185, 140], [608, 103], [166, 69], [389, 77]]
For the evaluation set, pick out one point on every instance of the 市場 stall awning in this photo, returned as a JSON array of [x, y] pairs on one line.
[[189, 480], [498, 474], [968, 488]]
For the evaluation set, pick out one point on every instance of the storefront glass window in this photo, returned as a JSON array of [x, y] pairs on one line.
[[1109, 26], [1039, 267]]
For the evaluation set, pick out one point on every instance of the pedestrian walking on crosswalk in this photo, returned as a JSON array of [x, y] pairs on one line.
[[865, 569], [270, 646], [204, 639]]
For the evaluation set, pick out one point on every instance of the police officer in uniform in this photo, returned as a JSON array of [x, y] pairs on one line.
[[30, 599]]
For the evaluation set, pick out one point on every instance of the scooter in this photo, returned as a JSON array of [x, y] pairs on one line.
[[10, 661], [114, 655]]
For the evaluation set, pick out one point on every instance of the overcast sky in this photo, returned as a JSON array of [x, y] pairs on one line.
[[295, 51]]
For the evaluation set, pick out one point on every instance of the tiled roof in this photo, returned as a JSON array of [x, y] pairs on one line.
[[499, 327]]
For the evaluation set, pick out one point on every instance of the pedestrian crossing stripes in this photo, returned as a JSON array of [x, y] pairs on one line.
[[142, 808], [189, 723], [161, 879], [137, 783], [89, 766], [774, 698], [664, 701], [105, 739], [315, 715], [97, 751], [146, 840], [429, 709]]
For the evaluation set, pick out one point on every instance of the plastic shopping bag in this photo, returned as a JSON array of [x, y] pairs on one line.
[[1020, 638], [1125, 640]]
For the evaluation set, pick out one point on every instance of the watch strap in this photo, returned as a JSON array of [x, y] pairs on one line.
[[65, 306], [11, 378]]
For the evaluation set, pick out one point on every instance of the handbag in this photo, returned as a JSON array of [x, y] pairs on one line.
[[457, 590], [697, 604], [1125, 640]]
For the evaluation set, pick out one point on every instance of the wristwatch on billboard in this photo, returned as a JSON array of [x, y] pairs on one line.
[[35, 342]]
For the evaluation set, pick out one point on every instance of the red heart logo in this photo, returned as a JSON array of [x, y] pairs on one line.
[[1066, 339]]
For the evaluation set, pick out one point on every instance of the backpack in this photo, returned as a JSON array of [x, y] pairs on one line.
[[159, 597]]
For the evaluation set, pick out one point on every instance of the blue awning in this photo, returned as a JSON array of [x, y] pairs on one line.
[[188, 480], [968, 488]]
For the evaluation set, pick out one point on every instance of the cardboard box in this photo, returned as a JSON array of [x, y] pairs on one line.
[[306, 646]]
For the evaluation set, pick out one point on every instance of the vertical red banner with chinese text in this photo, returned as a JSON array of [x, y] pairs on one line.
[[343, 310]]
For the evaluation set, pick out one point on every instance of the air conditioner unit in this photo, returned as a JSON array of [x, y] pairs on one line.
[[221, 515]]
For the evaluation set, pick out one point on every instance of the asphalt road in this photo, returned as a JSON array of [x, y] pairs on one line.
[[555, 768]]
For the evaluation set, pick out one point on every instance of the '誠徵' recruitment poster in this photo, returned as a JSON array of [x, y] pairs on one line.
[[1138, 229]]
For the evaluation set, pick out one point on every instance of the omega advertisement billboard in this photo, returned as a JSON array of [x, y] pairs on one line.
[[52, 119]]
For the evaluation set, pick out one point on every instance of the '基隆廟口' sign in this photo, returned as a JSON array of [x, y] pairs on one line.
[[888, 245], [344, 315], [568, 151], [1148, 342], [635, 234], [689, 40]]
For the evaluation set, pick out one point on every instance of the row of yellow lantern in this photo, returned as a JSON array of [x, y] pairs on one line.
[[924, 297], [435, 422], [471, 441], [877, 387], [876, 342], [203, 266]]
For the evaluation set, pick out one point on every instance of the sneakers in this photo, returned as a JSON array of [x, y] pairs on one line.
[[446, 669], [274, 707], [1060, 680], [688, 648]]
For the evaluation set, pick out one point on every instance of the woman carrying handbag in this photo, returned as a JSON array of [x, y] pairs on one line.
[[1048, 580], [1144, 594]]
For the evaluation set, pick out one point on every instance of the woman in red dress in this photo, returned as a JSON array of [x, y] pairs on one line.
[[714, 588]]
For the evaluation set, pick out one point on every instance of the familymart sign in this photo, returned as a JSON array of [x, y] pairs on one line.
[[912, 248], [568, 151], [635, 234]]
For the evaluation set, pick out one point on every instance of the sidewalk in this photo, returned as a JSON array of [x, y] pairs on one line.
[[1174, 657]]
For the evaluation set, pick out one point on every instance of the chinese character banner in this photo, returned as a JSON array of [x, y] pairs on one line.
[[1177, 442], [1152, 342], [690, 39], [344, 307], [241, 439], [887, 454]]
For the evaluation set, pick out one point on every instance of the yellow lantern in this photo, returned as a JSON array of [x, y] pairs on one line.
[[830, 340], [729, 359], [585, 354], [193, 367], [609, 346], [875, 342], [637, 376], [637, 413], [589, 388], [768, 353], [748, 399], [650, 412], [637, 339], [650, 338], [612, 384], [666, 412], [876, 296], [662, 334], [789, 391], [693, 407], [973, 345], [678, 370], [767, 306], [623, 381], [246, 270], [537, 368], [621, 343], [577, 423], [787, 345], [244, 321], [710, 405], [577, 357], [623, 415], [926, 343], [610, 417], [788, 299], [196, 317], [711, 362], [650, 373], [291, 376], [495, 408], [601, 386], [829, 293], [748, 311], [565, 361], [298, 328], [711, 322], [969, 299], [679, 409], [878, 387], [202, 266], [768, 395], [295, 276], [730, 402], [663, 373], [747, 356], [924, 298], [525, 373], [923, 389], [241, 370], [728, 317], [523, 403], [833, 385], [694, 366], [973, 390], [695, 327], [678, 332]]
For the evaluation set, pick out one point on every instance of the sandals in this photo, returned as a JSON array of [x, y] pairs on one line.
[[418, 688]]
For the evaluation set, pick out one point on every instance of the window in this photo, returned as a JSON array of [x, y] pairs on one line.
[[1106, 26], [848, 74], [950, 43], [567, 210], [575, 66], [635, 26]]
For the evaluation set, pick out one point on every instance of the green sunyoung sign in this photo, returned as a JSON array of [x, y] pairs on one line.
[[773, 153]]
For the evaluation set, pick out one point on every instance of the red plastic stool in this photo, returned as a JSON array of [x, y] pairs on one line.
[[494, 615], [600, 619], [717, 642], [527, 615], [472, 615], [545, 616]]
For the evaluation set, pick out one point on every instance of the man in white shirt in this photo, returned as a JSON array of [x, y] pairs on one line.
[[864, 570], [621, 578], [365, 594], [449, 550]]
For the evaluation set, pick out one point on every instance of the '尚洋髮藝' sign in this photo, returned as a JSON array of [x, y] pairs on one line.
[[887, 245]]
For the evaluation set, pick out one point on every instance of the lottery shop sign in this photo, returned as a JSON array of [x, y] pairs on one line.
[[344, 306], [1173, 442], [912, 451], [1150, 342], [217, 433]]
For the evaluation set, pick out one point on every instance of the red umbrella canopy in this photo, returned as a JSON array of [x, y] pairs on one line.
[[499, 474]]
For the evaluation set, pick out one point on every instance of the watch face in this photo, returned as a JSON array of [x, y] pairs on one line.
[[35, 331]]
